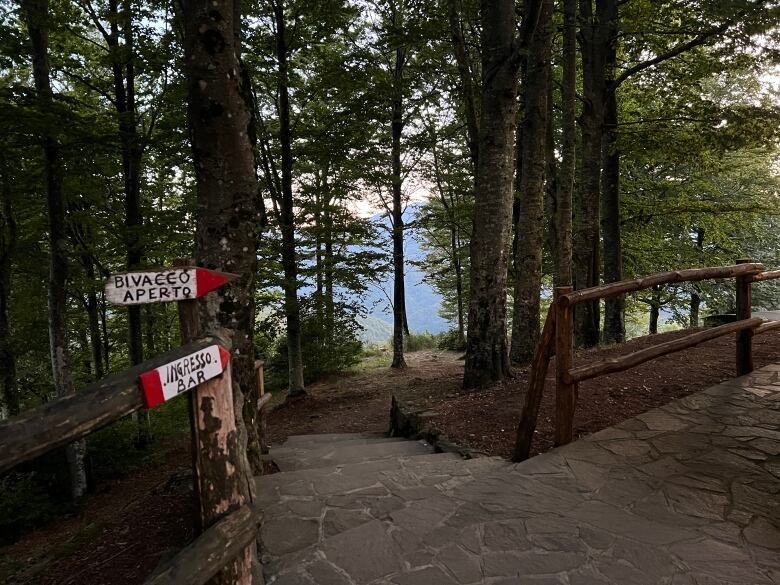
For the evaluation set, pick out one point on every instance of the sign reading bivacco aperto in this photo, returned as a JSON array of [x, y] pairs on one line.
[[182, 284], [161, 286]]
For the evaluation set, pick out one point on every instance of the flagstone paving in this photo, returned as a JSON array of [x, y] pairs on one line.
[[687, 494]]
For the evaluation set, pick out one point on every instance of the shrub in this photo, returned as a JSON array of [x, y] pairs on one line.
[[452, 340], [420, 341], [327, 348]]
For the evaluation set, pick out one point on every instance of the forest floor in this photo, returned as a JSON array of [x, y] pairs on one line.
[[124, 530]]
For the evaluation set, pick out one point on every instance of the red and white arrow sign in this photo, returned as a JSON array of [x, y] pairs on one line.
[[162, 286], [168, 381]]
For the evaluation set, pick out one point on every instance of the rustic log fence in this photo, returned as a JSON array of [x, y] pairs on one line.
[[557, 339], [226, 521], [228, 538]]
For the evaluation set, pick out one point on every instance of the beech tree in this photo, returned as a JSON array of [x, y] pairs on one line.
[[37, 15], [226, 188], [487, 357], [532, 136]]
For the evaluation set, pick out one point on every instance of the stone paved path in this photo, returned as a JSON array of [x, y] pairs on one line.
[[688, 494]]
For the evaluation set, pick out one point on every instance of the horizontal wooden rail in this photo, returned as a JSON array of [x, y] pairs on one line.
[[266, 398], [57, 423], [211, 551], [690, 275], [770, 275], [618, 364], [766, 326]]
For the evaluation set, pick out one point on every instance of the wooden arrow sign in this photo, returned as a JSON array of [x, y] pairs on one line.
[[174, 378], [163, 285]]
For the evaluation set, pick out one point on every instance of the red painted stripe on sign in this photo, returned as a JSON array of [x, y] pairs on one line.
[[152, 387], [224, 357], [209, 280]]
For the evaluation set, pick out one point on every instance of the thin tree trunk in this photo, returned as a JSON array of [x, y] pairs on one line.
[[529, 228], [551, 180], [695, 296], [289, 261], [487, 359], [614, 308], [400, 326], [563, 210], [655, 310], [319, 275], [37, 14], [695, 304], [587, 263], [123, 69], [330, 316], [449, 206], [10, 391], [226, 237], [93, 318], [104, 331], [465, 75]]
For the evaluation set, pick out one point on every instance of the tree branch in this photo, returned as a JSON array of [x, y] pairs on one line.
[[697, 41]]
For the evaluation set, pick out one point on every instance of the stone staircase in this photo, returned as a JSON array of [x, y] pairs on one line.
[[339, 496], [687, 494]]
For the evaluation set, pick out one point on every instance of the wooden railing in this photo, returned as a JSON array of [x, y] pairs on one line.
[[213, 550], [227, 544], [558, 339], [57, 423]]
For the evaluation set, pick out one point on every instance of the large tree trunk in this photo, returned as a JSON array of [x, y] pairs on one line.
[[227, 202], [37, 14], [614, 308], [563, 209], [10, 405], [400, 326], [289, 261], [529, 229], [487, 358], [587, 264]]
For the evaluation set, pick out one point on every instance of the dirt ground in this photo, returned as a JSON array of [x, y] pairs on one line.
[[122, 532]]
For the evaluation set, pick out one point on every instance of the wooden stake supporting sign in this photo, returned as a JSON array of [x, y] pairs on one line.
[[163, 285], [168, 381]]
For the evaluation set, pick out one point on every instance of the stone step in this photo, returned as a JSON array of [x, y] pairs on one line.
[[295, 443], [304, 509], [323, 438], [291, 459]]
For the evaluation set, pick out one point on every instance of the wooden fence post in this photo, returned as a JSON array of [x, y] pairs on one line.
[[565, 391], [744, 311], [262, 406], [533, 396], [218, 460]]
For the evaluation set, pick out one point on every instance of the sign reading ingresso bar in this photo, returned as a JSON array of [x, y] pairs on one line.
[[164, 285], [168, 381]]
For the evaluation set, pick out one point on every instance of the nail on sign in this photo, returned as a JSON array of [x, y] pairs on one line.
[[168, 381], [160, 286]]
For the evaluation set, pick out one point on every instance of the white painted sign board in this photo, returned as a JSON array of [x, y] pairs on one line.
[[168, 381], [163, 285]]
